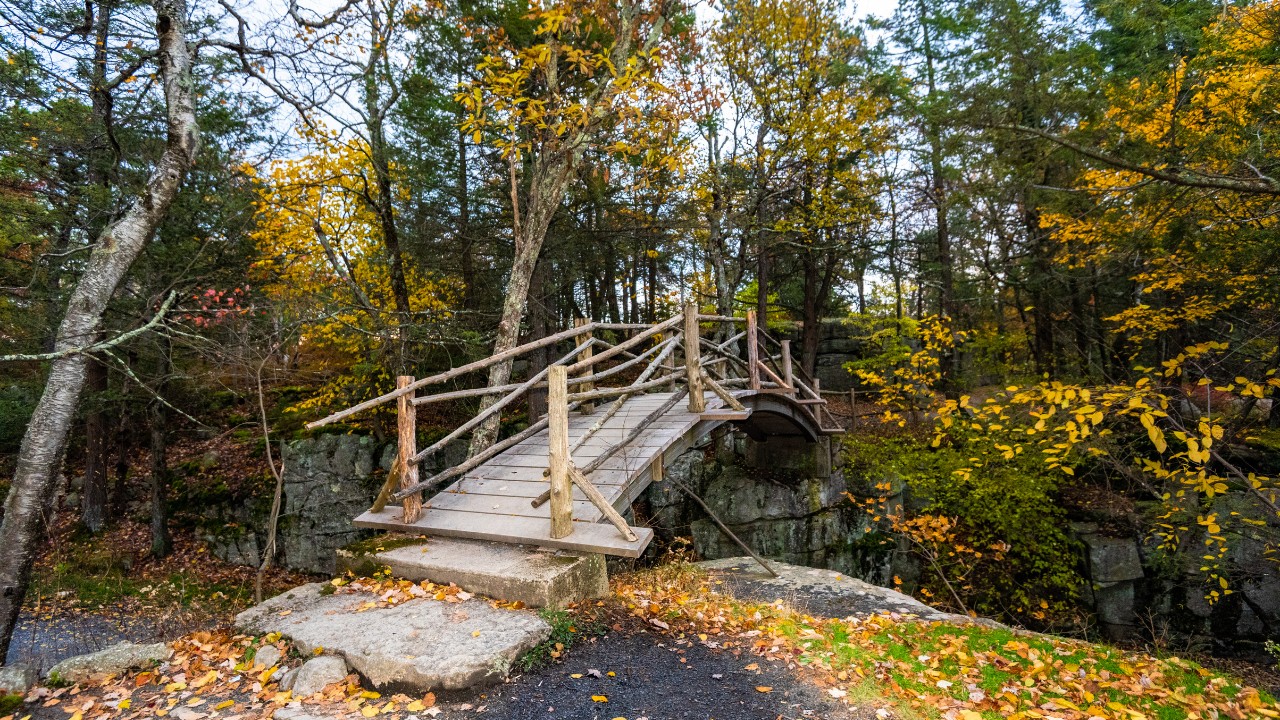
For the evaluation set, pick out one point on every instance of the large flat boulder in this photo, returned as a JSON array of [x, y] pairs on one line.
[[825, 593], [537, 577], [114, 660], [420, 644]]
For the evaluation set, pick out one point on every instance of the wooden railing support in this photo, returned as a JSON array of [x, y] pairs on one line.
[[787, 375], [558, 453], [407, 447], [668, 367], [693, 359], [753, 351], [584, 342]]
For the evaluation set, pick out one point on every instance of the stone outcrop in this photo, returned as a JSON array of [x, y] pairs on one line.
[[421, 644], [783, 497], [16, 679], [329, 479], [822, 593], [111, 661]]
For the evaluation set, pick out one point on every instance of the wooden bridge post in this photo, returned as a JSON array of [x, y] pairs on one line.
[[558, 452], [753, 351], [788, 376], [585, 340], [407, 447], [693, 358]]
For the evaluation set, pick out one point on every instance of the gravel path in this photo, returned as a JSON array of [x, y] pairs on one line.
[[655, 677]]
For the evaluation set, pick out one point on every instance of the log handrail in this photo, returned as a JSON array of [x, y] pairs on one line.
[[456, 372], [708, 367]]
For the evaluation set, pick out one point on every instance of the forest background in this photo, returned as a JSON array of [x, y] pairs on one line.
[[1053, 226]]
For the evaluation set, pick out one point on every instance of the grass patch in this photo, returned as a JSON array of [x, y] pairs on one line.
[[932, 669], [10, 703], [567, 629]]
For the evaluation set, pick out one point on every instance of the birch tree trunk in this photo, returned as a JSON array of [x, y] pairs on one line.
[[120, 244]]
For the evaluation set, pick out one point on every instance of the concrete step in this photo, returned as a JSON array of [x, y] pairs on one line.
[[537, 577]]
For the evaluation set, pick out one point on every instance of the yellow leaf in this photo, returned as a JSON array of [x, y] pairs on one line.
[[599, 698], [220, 706], [764, 689], [369, 710]]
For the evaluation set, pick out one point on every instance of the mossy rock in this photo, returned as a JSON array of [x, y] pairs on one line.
[[357, 558]]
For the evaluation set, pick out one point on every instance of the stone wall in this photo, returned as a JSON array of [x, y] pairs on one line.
[[783, 497], [837, 345], [1134, 589], [329, 479]]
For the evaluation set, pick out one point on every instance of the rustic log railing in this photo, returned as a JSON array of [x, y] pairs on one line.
[[748, 363]]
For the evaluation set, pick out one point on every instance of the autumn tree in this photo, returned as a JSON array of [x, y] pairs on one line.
[[806, 79], [542, 99]]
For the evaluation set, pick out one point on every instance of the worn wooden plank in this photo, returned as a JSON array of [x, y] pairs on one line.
[[586, 537], [508, 505], [525, 489]]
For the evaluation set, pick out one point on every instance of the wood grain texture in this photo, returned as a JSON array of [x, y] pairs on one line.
[[406, 448], [558, 454]]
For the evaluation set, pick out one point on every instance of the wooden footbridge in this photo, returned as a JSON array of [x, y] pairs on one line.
[[565, 481]]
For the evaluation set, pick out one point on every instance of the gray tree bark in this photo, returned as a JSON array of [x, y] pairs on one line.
[[552, 168], [119, 245]]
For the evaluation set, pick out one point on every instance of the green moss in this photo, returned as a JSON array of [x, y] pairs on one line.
[[567, 629], [10, 703], [381, 543], [1267, 439]]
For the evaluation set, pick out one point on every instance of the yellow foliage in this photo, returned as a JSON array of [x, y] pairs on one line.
[[1067, 425], [1193, 253], [341, 292]]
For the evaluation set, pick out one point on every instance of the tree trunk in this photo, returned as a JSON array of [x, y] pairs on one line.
[[553, 167], [762, 284], [470, 282], [937, 180], [124, 443], [161, 543], [117, 248], [539, 327], [93, 499], [544, 199], [384, 203], [817, 287]]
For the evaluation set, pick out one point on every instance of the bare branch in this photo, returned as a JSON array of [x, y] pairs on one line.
[[102, 346], [1260, 185]]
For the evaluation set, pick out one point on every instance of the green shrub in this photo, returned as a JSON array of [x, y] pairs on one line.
[[1002, 538]]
